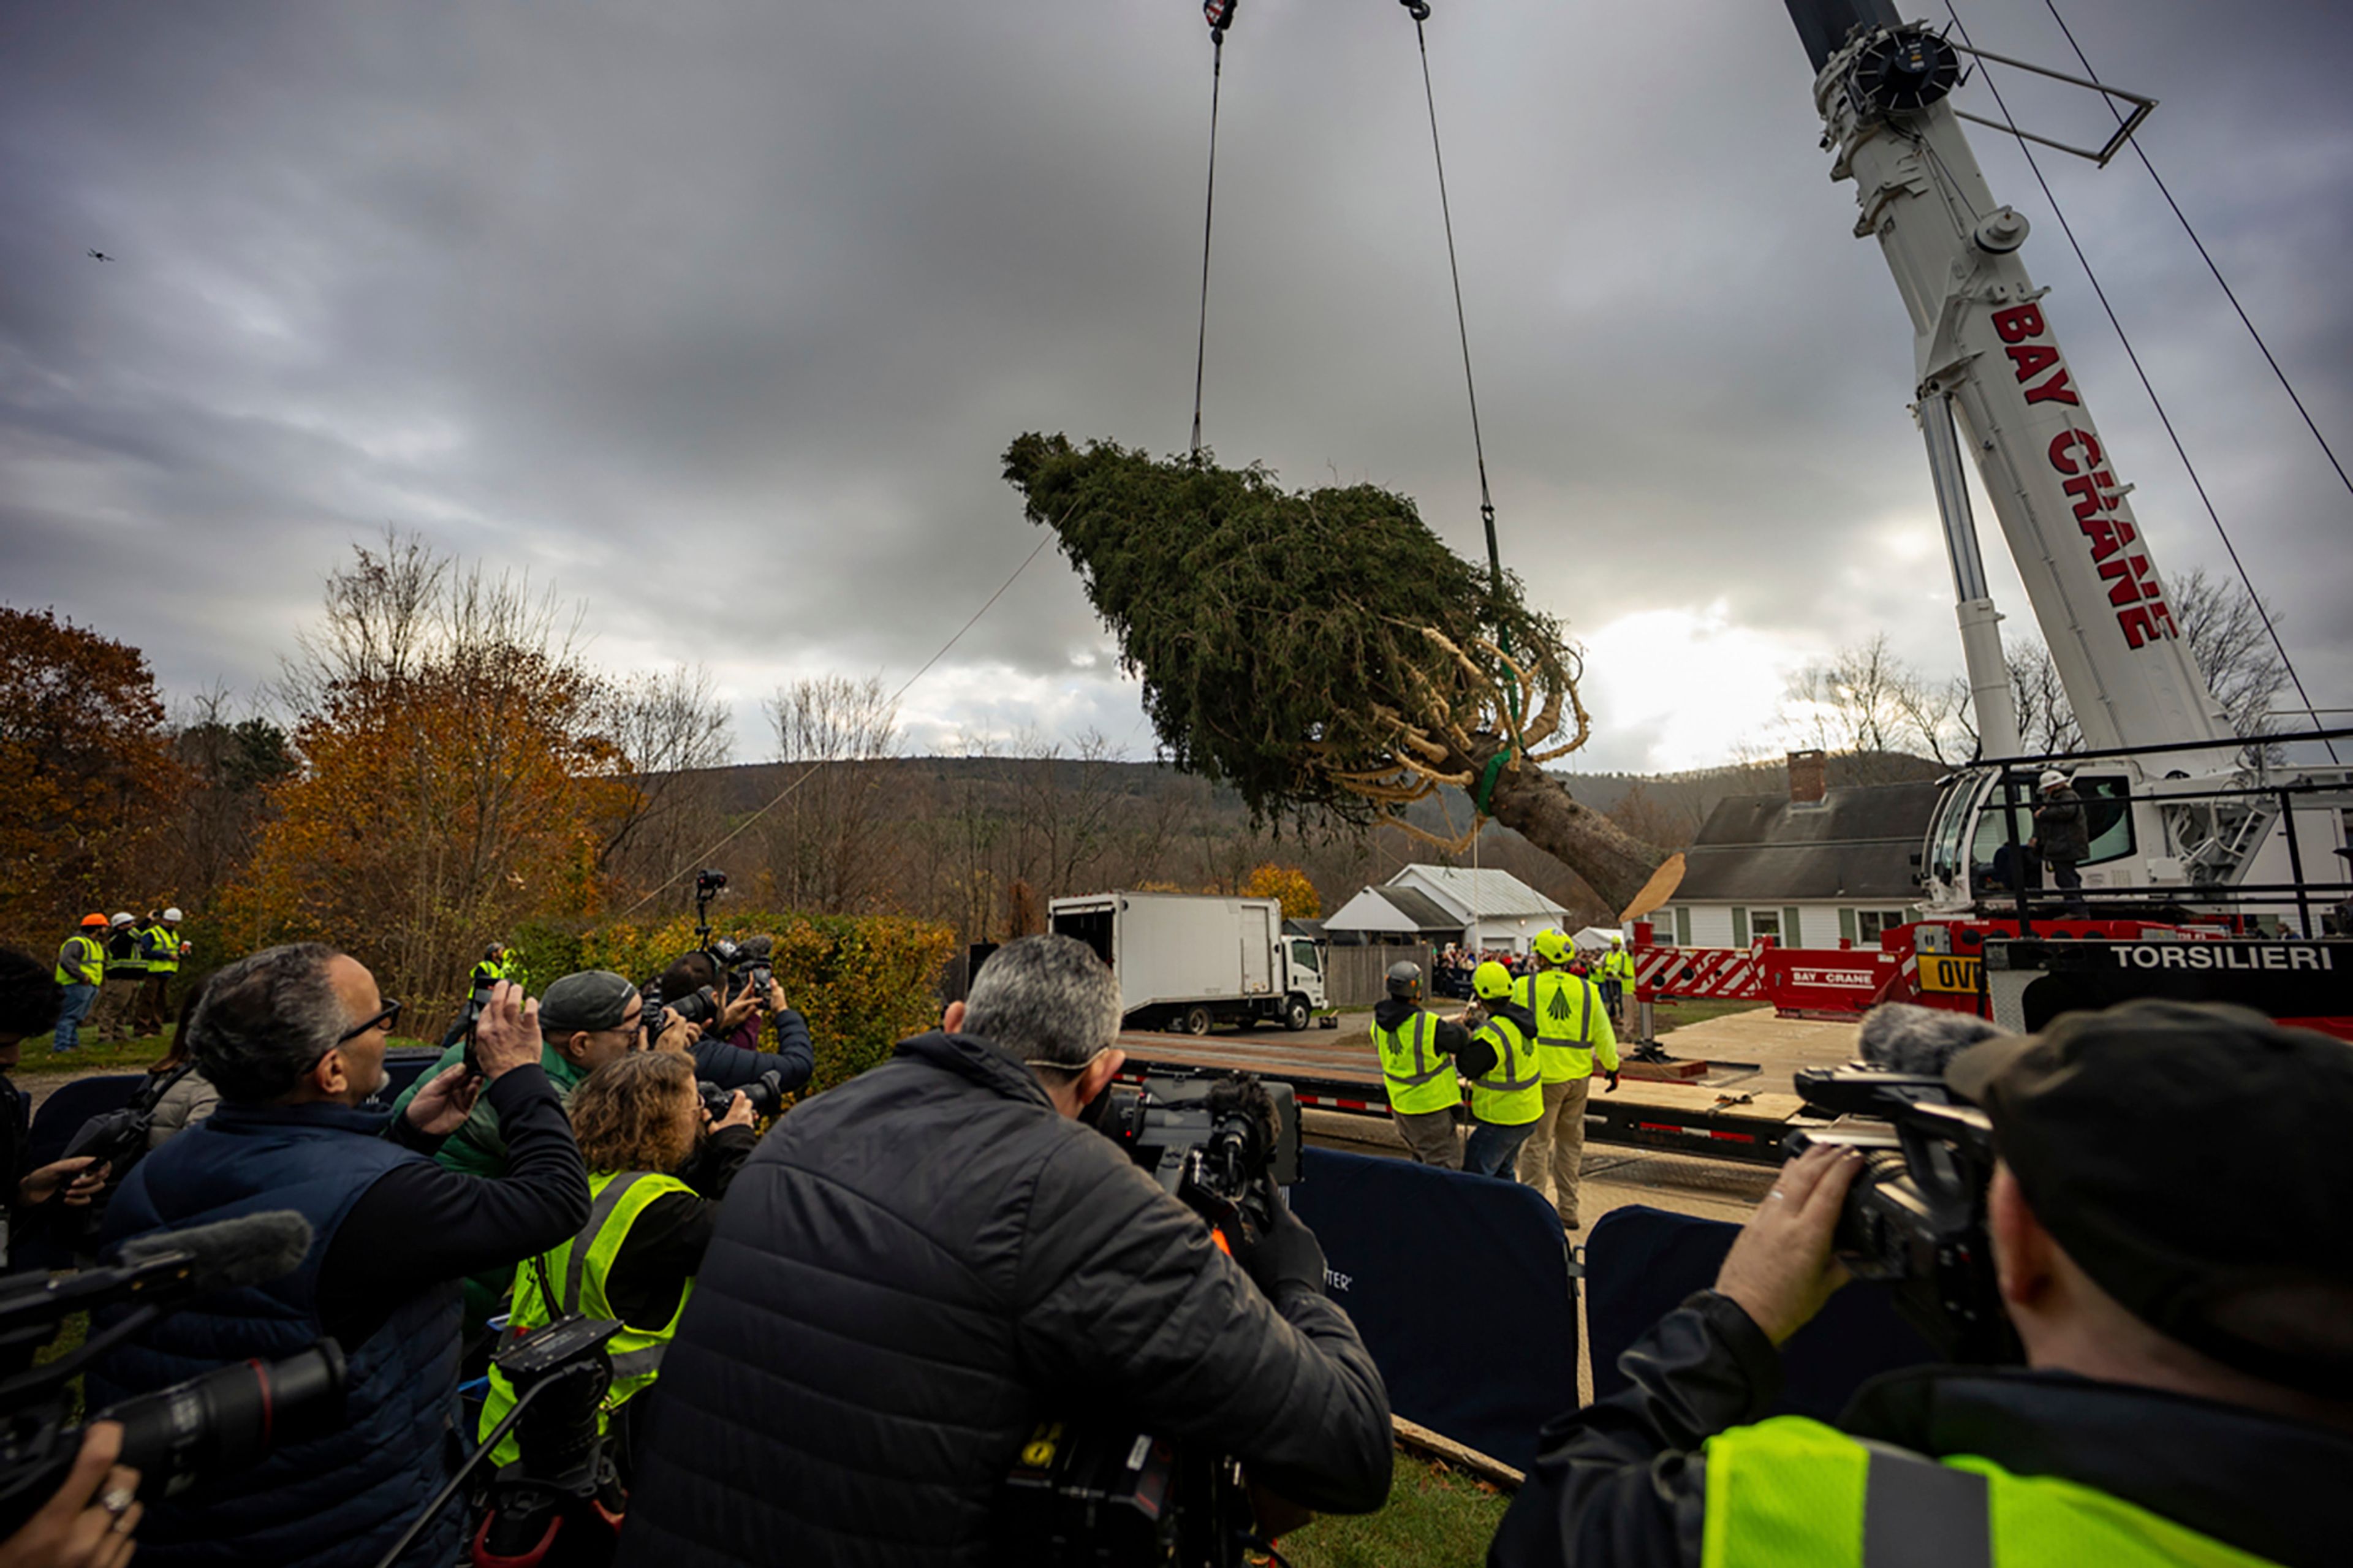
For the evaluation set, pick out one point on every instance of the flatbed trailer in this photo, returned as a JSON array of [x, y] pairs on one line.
[[1686, 1118]]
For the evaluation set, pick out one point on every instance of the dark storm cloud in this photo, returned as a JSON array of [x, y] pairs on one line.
[[720, 314]]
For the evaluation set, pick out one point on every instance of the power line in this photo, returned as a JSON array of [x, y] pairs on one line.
[[2228, 293], [2146, 386], [704, 857]]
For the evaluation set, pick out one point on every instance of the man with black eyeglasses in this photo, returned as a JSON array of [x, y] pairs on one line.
[[293, 1037]]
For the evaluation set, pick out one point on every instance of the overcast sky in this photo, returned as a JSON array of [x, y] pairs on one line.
[[718, 316]]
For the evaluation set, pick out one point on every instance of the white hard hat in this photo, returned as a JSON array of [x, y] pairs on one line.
[[2052, 779], [174, 916], [122, 917]]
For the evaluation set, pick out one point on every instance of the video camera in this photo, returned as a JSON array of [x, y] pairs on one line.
[[1221, 1144], [1916, 1217], [201, 1430], [1098, 1492]]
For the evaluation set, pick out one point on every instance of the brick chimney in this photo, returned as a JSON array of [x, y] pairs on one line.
[[1809, 778]]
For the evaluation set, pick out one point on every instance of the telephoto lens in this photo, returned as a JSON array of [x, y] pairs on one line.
[[766, 1093], [229, 1418]]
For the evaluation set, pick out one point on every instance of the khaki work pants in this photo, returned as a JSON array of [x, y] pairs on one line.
[[1553, 1159], [110, 1018], [1431, 1135]]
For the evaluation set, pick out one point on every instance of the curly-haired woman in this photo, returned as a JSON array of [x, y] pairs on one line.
[[658, 1165]]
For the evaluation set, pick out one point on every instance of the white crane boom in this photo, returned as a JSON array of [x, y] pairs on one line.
[[1987, 356]]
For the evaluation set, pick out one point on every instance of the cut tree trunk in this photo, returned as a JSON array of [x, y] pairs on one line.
[[1539, 807]]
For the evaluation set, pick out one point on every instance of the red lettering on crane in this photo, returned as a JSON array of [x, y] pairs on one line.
[[2086, 489], [2019, 323], [2081, 440], [2053, 391], [2032, 360], [2107, 534], [2131, 580]]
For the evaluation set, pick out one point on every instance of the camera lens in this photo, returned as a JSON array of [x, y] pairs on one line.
[[229, 1418]]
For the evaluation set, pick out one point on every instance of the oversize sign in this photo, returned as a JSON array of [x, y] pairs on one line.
[[1957, 976]]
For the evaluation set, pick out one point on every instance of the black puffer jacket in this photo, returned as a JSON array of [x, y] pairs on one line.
[[916, 1266]]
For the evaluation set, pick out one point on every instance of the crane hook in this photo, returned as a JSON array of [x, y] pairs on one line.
[[1421, 9]]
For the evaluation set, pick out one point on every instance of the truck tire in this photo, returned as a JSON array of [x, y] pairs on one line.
[[1295, 1014], [1194, 1020]]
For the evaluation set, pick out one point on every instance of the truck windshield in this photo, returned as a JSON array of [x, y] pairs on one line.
[[1302, 953]]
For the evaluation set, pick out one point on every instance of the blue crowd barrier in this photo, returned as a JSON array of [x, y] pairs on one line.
[[1460, 1288], [1640, 1264]]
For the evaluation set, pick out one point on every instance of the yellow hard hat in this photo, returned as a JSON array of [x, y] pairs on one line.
[[1551, 946], [1491, 981]]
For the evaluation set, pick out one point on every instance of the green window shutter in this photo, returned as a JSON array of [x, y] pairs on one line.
[[1683, 925], [1846, 925], [1739, 926], [1791, 930]]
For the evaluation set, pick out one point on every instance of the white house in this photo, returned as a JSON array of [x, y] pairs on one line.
[[1806, 872], [1480, 908]]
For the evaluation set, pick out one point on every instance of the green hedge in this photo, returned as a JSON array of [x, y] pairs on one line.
[[863, 981]]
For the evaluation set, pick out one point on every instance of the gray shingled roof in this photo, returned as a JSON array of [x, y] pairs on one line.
[[1858, 844], [1425, 913]]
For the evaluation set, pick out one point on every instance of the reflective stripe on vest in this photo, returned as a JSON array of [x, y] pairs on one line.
[[583, 1265], [1418, 1080], [164, 950], [1789, 1492], [1513, 1091]]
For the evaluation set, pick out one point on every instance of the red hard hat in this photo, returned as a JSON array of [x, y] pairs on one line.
[[93, 919]]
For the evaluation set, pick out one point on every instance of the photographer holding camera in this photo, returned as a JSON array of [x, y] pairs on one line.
[[658, 1165], [727, 1052], [294, 1038], [917, 1265], [2170, 1217]]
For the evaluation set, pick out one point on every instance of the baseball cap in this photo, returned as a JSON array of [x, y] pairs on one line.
[[592, 999], [2191, 1159]]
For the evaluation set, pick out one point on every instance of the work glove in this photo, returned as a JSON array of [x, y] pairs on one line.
[[1286, 1256], [1612, 1073]]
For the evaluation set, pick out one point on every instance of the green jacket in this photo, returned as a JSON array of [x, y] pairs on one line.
[[476, 1149]]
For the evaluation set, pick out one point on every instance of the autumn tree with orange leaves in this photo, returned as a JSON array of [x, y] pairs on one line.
[[88, 783], [1272, 879], [455, 776]]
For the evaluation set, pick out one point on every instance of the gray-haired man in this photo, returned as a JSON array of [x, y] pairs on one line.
[[914, 1267]]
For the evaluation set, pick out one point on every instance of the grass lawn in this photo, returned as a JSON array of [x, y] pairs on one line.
[[36, 1059], [1436, 1518]]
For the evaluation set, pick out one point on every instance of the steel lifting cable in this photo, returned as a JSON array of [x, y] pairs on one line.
[[1221, 16], [2164, 418], [1420, 10], [2228, 293]]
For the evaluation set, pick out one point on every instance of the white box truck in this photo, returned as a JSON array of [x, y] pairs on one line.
[[1187, 960]]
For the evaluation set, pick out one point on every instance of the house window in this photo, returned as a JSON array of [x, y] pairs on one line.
[[1780, 924], [1870, 925]]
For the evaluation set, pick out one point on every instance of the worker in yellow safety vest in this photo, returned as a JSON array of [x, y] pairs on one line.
[[1573, 1033], [654, 1156], [115, 1014], [1616, 978], [82, 970], [161, 944], [1418, 1050], [2187, 1394], [1506, 1084]]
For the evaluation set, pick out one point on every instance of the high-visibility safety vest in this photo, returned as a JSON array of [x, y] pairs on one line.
[[82, 961], [1511, 1094], [578, 1270], [131, 965], [1418, 1078], [1570, 1024], [1793, 1493], [163, 946], [1618, 964]]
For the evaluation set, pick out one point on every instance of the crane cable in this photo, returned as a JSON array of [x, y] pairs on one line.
[[2164, 418], [1419, 11], [2228, 292], [1220, 18]]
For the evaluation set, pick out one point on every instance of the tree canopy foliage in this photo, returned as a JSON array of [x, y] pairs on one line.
[[1322, 650]]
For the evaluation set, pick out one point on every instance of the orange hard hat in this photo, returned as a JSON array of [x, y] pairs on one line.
[[98, 921]]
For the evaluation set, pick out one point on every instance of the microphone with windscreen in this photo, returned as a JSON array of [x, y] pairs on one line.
[[211, 1425], [1902, 1037]]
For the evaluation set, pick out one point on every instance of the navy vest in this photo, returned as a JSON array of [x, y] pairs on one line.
[[343, 1499]]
